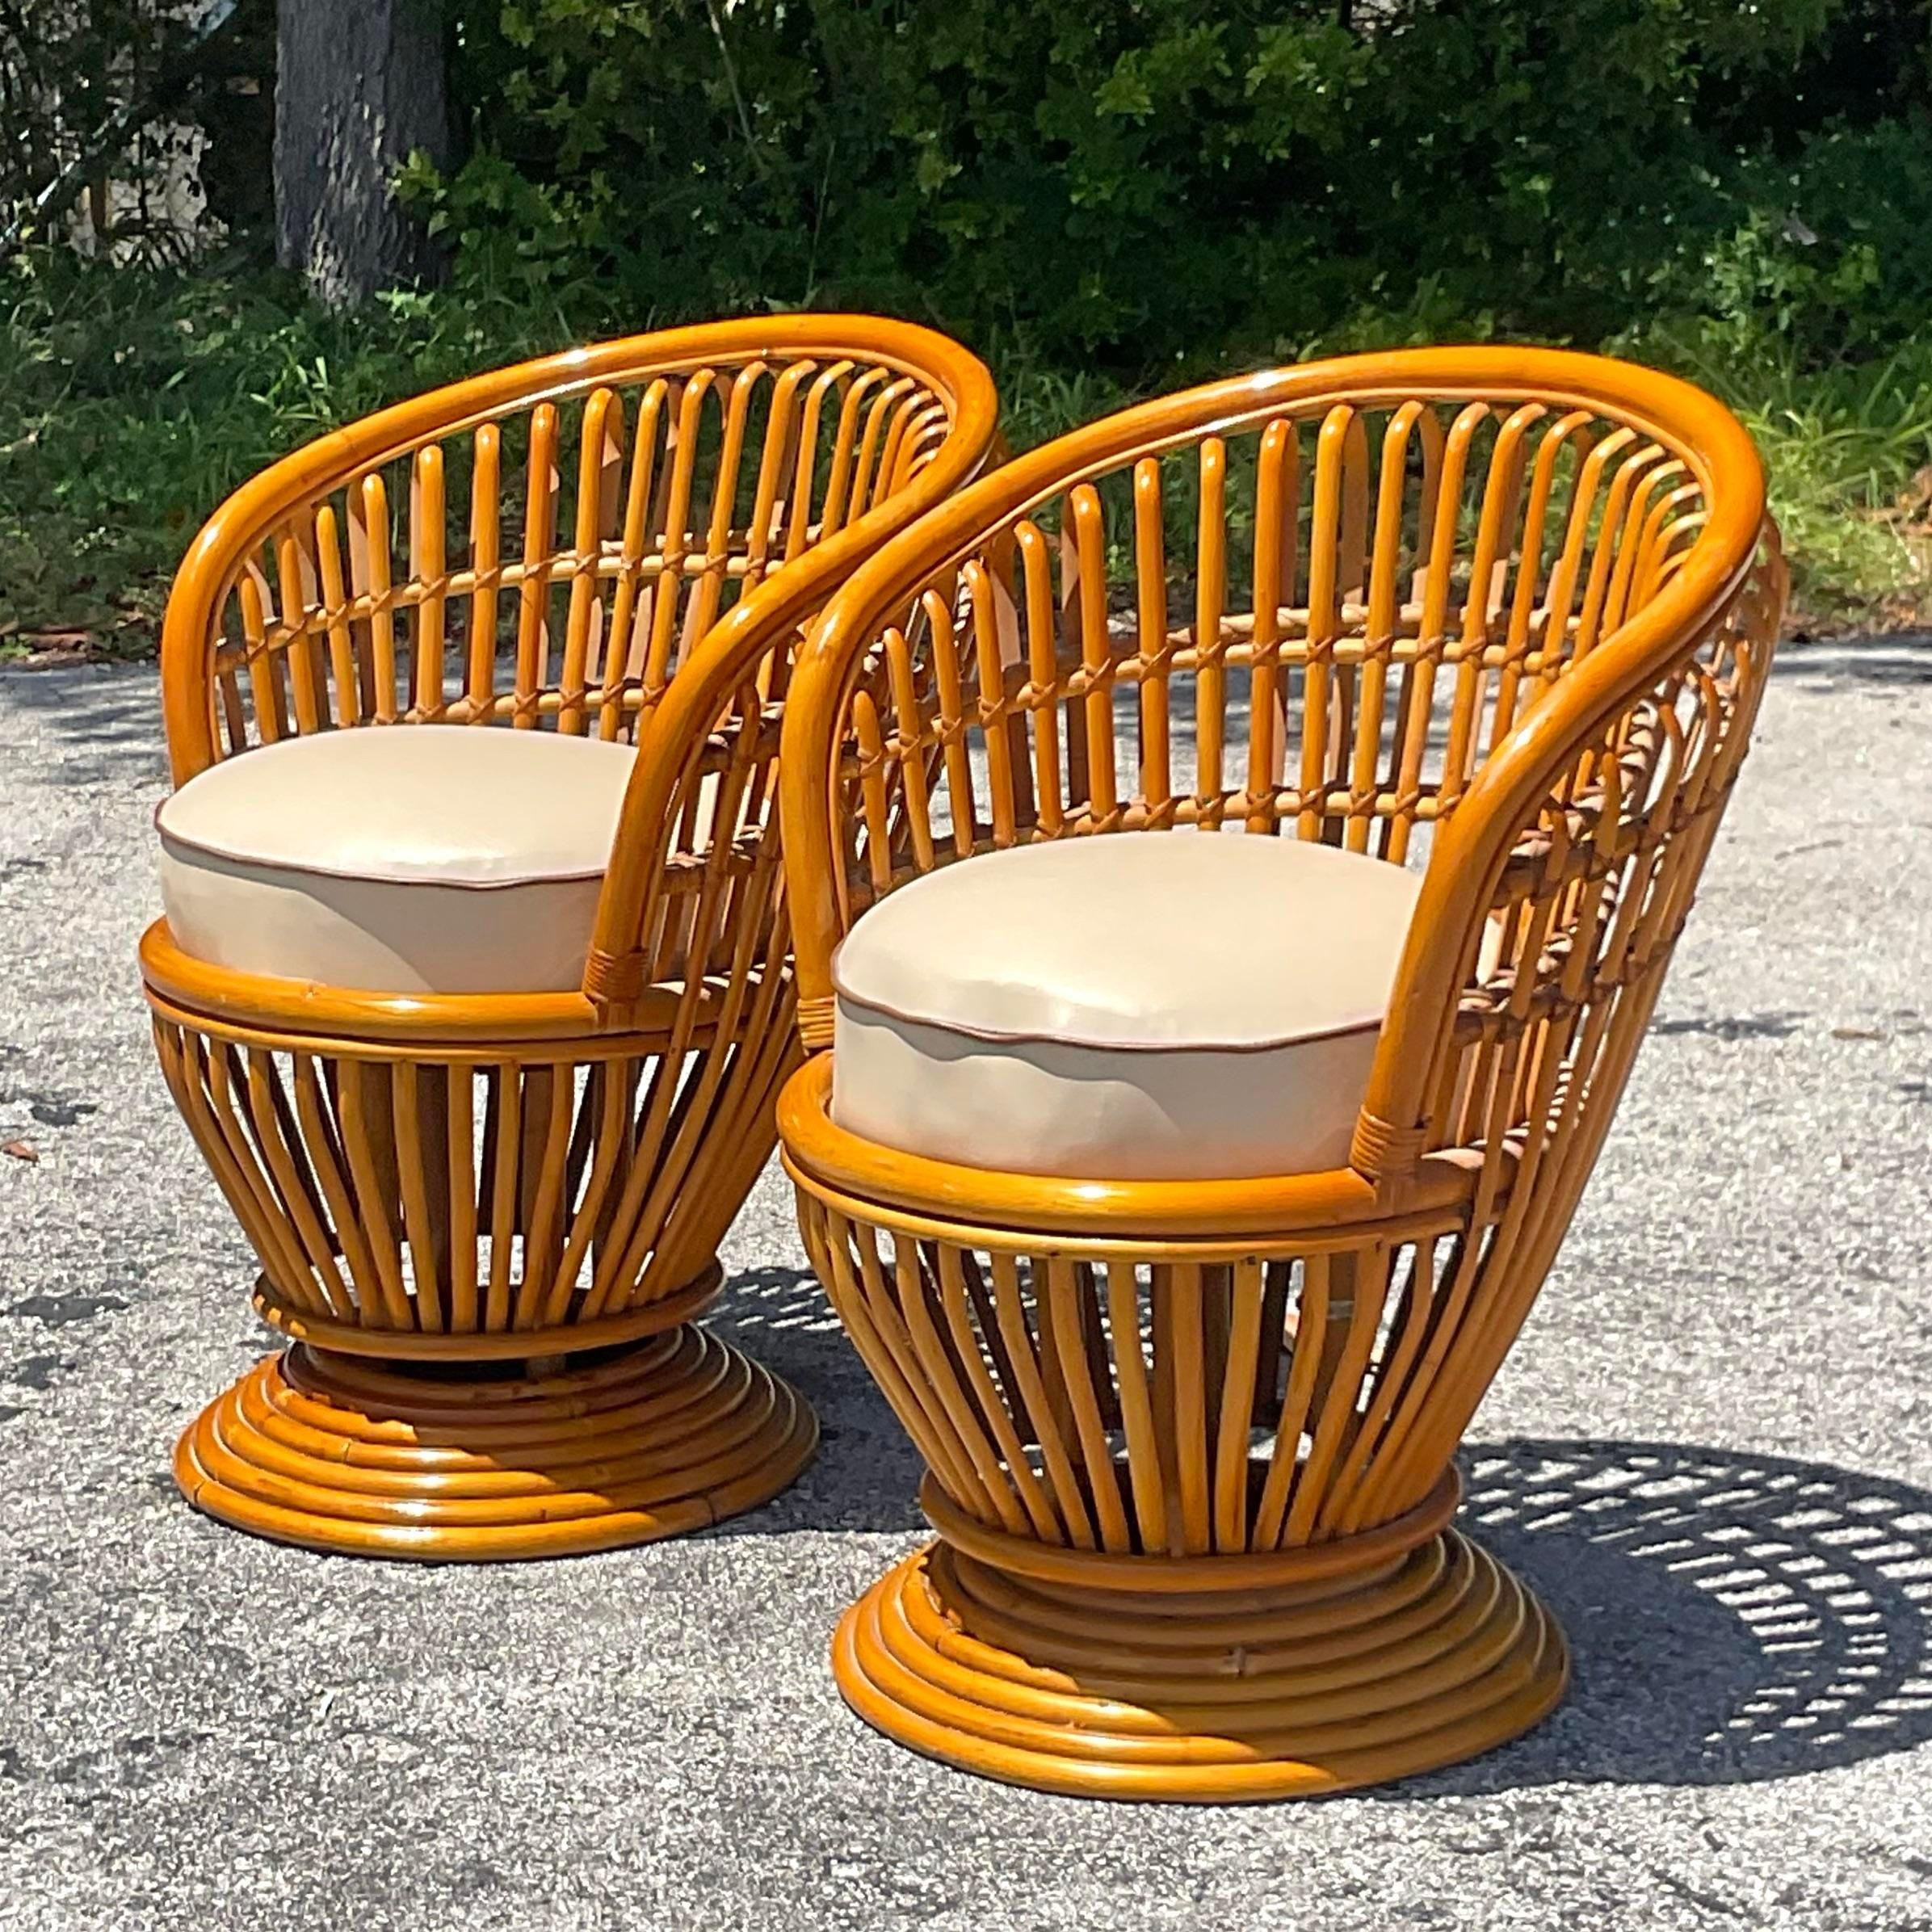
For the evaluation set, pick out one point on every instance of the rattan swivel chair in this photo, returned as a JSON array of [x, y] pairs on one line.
[[1234, 853], [475, 989]]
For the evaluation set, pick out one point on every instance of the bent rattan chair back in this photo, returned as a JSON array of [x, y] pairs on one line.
[[1506, 614], [555, 544]]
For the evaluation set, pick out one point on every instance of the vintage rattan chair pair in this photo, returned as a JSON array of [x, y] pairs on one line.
[[1501, 616], [485, 1221]]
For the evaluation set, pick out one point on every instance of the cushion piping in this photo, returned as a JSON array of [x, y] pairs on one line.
[[455, 882], [1001, 1035]]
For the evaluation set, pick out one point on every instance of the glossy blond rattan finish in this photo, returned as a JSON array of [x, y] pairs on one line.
[[486, 1221], [1502, 615]]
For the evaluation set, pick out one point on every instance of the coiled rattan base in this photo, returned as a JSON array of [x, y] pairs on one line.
[[358, 1457], [1256, 1694]]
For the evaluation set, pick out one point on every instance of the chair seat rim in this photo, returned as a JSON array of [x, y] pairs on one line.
[[834, 1163], [199, 993]]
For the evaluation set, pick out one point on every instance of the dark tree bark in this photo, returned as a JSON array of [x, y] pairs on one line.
[[359, 86]]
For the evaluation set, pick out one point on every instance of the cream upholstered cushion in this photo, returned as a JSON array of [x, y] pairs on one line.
[[1136, 1006], [410, 859]]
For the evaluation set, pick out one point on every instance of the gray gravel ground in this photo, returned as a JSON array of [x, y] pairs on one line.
[[1712, 1452]]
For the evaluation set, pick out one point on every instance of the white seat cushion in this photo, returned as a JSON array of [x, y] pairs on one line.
[[410, 858], [1136, 1006]]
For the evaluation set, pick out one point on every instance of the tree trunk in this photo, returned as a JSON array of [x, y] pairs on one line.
[[359, 86]]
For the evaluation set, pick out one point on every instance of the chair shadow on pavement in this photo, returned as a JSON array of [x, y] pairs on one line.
[[866, 1476], [1732, 1617]]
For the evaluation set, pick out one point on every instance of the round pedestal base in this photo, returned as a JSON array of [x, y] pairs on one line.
[[465, 1463], [1437, 1656]]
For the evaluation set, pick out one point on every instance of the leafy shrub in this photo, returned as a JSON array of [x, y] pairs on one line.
[[1136, 183], [1105, 199], [132, 401], [1831, 252], [114, 95]]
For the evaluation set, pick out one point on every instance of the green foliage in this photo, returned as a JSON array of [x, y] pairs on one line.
[[1832, 253], [132, 401], [1849, 451], [1105, 201], [64, 71], [1142, 182], [101, 92]]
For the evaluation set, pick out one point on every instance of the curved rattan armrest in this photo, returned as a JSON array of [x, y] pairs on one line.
[[673, 739], [1674, 411], [215, 557], [1460, 885], [947, 422]]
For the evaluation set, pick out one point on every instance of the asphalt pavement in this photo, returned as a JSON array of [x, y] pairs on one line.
[[1711, 1451]]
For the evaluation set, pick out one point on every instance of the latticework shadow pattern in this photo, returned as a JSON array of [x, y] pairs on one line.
[[1736, 1616]]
